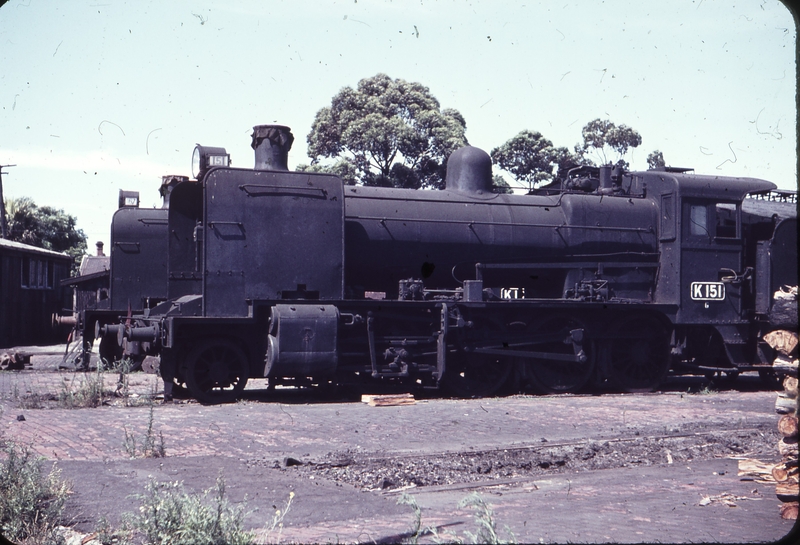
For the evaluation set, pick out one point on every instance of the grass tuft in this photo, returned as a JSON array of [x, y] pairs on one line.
[[88, 392]]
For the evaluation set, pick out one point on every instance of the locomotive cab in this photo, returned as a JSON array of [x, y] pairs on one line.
[[709, 268]]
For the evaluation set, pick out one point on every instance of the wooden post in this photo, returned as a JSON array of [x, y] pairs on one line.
[[3, 222]]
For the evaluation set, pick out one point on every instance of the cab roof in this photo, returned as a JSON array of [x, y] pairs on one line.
[[722, 188]]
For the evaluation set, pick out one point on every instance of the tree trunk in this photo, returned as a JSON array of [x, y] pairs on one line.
[[782, 340], [789, 510], [787, 425], [788, 448], [790, 387], [787, 491], [785, 366], [784, 471], [785, 405]]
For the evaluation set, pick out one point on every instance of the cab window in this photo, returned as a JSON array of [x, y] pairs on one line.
[[698, 220]]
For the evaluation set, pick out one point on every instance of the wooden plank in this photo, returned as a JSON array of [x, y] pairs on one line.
[[762, 471], [388, 400], [366, 398]]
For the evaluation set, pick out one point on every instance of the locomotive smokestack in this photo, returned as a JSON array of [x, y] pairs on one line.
[[605, 177], [469, 170], [168, 183], [272, 144]]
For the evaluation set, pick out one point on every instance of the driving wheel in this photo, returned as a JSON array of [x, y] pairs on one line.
[[476, 375], [640, 353], [216, 371], [557, 375]]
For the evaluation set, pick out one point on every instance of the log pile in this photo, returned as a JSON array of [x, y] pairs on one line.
[[786, 473]]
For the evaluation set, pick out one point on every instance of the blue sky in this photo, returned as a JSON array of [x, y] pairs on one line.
[[102, 95]]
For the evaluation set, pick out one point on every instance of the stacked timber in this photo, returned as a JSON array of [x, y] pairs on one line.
[[785, 473], [390, 400]]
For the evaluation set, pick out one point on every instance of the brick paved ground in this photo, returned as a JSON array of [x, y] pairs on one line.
[[657, 503]]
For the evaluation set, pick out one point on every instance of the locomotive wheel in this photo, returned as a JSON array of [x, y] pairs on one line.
[[640, 354], [216, 371], [558, 376], [476, 375]]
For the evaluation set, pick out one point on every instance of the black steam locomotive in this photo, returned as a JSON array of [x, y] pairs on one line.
[[607, 277]]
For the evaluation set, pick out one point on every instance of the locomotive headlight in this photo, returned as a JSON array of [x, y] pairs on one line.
[[205, 157]]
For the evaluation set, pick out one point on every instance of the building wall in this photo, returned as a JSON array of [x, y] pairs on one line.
[[30, 293]]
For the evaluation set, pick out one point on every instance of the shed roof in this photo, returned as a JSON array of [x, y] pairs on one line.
[[19, 246], [94, 263]]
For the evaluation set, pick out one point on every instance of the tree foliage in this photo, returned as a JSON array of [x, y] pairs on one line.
[[393, 132], [655, 159], [343, 168], [499, 185], [532, 158], [605, 139], [45, 227]]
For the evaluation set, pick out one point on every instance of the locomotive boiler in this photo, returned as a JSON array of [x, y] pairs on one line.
[[135, 279], [610, 277]]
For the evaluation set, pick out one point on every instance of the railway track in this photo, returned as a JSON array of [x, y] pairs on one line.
[[470, 468]]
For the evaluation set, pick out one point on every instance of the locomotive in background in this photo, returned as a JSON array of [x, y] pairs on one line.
[[608, 278]]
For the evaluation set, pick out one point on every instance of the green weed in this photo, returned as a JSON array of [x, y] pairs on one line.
[[88, 392], [416, 524], [484, 520], [123, 368], [148, 448], [483, 516], [277, 522], [30, 400], [30, 503], [170, 516]]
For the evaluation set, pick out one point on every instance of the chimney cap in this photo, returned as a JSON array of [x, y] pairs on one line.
[[277, 134], [271, 144]]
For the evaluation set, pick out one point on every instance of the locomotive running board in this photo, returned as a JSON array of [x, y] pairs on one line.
[[529, 354]]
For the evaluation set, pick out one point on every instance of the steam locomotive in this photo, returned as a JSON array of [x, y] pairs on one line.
[[605, 278]]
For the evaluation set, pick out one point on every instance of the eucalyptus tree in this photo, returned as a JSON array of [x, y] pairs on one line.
[[390, 132]]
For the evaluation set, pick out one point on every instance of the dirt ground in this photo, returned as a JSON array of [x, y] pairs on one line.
[[629, 468]]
